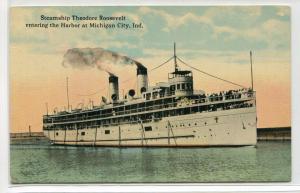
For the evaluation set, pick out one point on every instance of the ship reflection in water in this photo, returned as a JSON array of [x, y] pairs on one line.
[[271, 161]]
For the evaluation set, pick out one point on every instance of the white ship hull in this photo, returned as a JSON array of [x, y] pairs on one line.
[[234, 127]]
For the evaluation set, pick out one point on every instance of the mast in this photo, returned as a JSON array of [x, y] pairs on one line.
[[29, 129], [68, 93], [175, 58], [251, 71], [47, 108]]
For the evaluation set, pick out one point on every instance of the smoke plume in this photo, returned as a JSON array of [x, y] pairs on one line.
[[95, 57]]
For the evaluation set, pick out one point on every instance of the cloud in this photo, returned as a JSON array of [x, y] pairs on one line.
[[175, 21], [194, 28], [283, 11], [227, 25]]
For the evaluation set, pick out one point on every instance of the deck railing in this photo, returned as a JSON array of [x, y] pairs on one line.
[[201, 99]]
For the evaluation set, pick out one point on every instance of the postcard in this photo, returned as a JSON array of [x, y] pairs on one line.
[[150, 94]]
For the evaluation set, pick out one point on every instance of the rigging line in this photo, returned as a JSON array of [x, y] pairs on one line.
[[210, 74], [162, 64], [98, 91], [127, 80]]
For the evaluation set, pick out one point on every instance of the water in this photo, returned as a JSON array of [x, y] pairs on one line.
[[270, 161]]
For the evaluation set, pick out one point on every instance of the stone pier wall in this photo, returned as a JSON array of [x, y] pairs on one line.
[[274, 134]]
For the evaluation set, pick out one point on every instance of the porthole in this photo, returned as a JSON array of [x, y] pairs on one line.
[[148, 128]]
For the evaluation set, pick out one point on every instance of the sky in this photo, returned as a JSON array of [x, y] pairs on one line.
[[215, 39]]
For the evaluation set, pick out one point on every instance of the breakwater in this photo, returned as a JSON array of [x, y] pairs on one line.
[[28, 138], [274, 134]]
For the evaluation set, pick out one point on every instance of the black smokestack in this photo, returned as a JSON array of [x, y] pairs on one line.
[[141, 70], [113, 78], [113, 87], [95, 57], [142, 79]]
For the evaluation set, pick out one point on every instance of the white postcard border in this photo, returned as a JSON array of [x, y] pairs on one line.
[[200, 187]]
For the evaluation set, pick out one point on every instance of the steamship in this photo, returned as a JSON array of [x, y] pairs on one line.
[[168, 114]]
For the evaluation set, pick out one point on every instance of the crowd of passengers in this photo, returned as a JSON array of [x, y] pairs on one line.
[[230, 106], [226, 95], [236, 106]]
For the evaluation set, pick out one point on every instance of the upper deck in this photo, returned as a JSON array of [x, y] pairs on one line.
[[148, 109]]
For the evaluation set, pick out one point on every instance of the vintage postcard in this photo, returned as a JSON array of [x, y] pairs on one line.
[[150, 94]]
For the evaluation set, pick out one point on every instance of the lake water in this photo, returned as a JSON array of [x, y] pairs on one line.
[[270, 161]]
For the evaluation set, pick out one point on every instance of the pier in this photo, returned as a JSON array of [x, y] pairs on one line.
[[274, 134], [28, 138]]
